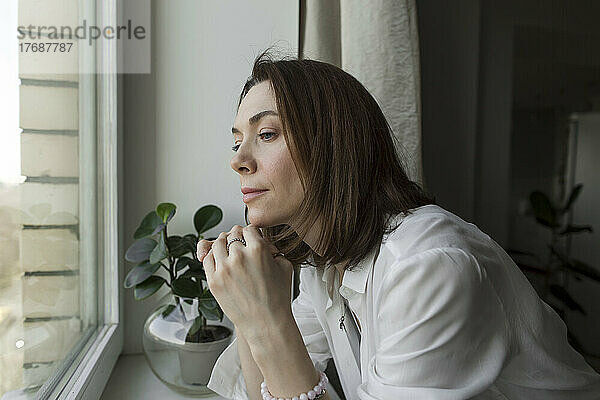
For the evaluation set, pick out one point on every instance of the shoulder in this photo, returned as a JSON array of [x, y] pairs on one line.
[[432, 227], [448, 268], [437, 289], [432, 248]]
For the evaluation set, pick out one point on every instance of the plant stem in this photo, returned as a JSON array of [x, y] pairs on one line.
[[171, 266], [549, 268]]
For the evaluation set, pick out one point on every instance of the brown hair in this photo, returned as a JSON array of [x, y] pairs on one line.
[[343, 149]]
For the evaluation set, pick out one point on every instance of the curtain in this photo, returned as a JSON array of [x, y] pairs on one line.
[[377, 43]]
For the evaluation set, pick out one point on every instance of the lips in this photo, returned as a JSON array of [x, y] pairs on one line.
[[247, 189], [251, 190], [252, 194]]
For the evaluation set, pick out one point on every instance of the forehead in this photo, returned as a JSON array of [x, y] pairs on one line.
[[260, 98]]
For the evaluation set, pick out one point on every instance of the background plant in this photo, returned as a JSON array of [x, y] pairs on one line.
[[154, 249], [559, 266]]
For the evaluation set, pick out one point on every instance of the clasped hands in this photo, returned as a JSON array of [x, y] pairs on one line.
[[252, 287]]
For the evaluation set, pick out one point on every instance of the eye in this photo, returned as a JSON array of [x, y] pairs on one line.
[[267, 133], [262, 135]]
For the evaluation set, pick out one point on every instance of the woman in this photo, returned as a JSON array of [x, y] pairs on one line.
[[411, 301]]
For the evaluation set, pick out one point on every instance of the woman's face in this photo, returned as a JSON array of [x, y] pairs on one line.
[[263, 160]]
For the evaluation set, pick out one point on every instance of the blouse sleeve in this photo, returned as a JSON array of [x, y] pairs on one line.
[[441, 331], [309, 326], [227, 378]]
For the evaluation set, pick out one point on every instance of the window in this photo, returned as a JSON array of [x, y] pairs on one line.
[[59, 312]]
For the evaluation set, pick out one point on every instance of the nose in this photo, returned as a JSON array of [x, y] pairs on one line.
[[243, 162]]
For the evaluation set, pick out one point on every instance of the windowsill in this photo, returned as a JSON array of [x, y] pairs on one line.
[[132, 378]]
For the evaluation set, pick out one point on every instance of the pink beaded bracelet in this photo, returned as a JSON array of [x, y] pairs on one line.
[[316, 393]]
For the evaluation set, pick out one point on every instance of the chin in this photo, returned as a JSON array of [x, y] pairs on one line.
[[261, 219]]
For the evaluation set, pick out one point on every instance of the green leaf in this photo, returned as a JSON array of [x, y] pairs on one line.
[[200, 275], [575, 229], [209, 307], [160, 251], [148, 225], [166, 211], [140, 250], [196, 265], [532, 268], [584, 269], [544, 212], [207, 217], [178, 246], [561, 293], [519, 252], [148, 287], [196, 325], [196, 270], [140, 273], [173, 243], [572, 197], [159, 228], [191, 241], [576, 265], [182, 263], [185, 287], [170, 216]]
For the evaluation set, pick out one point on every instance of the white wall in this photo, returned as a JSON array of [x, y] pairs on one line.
[[177, 133]]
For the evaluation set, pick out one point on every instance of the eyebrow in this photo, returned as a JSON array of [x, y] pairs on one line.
[[255, 118]]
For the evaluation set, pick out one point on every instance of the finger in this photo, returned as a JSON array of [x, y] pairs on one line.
[[235, 232], [202, 248], [209, 265], [219, 248], [283, 262], [253, 236], [274, 250]]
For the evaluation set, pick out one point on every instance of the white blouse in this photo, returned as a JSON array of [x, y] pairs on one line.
[[445, 314]]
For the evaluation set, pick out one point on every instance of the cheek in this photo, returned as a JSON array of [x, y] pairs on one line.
[[283, 173]]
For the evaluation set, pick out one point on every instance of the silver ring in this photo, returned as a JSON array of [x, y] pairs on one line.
[[235, 240], [279, 254]]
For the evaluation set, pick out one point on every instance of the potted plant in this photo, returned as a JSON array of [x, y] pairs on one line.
[[179, 344], [560, 266]]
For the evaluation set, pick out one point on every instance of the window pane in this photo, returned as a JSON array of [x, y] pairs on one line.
[[48, 198]]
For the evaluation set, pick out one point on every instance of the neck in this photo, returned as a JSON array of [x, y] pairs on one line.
[[340, 272], [312, 240]]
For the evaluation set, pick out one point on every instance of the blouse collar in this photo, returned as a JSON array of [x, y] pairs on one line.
[[354, 281]]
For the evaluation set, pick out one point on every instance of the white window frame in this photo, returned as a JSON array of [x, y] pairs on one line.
[[92, 367]]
